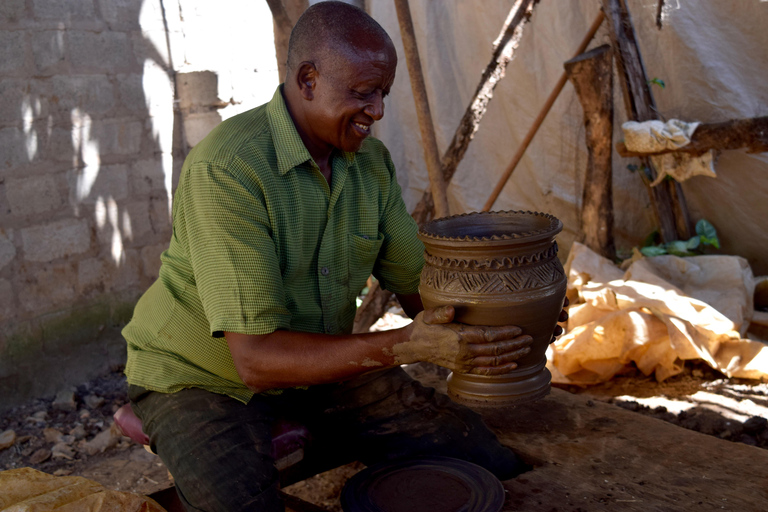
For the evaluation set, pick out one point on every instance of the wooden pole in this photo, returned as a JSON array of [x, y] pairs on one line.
[[429, 142], [591, 74], [734, 134], [671, 215], [503, 51], [540, 118], [504, 47]]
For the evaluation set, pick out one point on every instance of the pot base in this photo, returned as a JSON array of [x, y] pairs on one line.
[[500, 390]]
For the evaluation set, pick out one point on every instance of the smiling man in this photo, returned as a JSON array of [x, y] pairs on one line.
[[280, 216]]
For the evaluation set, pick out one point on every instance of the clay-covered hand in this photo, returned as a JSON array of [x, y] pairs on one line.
[[562, 318], [481, 350]]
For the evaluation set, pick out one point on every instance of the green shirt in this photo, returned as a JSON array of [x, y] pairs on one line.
[[261, 242]]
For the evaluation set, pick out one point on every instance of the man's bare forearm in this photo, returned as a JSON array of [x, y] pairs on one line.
[[285, 359]]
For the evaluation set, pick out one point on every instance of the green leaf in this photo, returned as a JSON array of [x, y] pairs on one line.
[[651, 239], [657, 81], [678, 248], [708, 233], [693, 243], [653, 250]]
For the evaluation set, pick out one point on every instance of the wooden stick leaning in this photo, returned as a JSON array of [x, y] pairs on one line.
[[540, 118], [428, 139], [506, 43]]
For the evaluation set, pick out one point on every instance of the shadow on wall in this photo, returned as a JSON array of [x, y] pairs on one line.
[[88, 147]]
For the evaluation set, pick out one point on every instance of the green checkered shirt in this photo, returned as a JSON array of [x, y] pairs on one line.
[[261, 242]]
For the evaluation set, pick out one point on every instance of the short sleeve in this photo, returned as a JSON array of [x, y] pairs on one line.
[[226, 229], [402, 254]]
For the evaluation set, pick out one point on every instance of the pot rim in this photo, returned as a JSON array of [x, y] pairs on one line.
[[555, 226]]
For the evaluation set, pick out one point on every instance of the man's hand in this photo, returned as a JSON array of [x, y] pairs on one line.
[[462, 348], [562, 318]]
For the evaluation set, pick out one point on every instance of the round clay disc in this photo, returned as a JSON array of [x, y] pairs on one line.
[[434, 484]]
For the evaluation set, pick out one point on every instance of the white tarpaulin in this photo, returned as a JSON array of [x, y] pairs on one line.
[[659, 313], [712, 56]]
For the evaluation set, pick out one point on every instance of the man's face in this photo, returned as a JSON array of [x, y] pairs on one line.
[[349, 96]]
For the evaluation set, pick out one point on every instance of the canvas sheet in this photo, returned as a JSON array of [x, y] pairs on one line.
[[658, 313], [710, 54]]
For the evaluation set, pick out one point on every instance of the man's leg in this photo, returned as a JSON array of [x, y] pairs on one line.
[[394, 416], [217, 449]]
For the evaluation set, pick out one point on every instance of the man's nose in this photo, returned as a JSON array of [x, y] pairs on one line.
[[375, 108]]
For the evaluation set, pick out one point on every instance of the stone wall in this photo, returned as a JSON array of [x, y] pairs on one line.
[[90, 146]]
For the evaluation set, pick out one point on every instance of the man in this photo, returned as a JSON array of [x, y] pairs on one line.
[[280, 216]]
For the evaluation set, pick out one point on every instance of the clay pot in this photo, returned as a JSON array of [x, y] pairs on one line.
[[497, 268]]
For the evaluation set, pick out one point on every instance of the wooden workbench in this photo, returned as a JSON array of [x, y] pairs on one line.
[[589, 455]]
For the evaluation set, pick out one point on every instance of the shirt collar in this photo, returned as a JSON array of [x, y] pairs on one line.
[[290, 149]]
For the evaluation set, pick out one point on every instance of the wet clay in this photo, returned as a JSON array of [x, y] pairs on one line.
[[497, 268]]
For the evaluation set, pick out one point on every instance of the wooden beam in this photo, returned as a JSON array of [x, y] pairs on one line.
[[540, 118], [734, 134], [640, 106], [428, 139], [504, 47], [591, 74]]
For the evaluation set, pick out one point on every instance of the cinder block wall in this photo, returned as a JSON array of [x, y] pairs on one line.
[[86, 159], [93, 132]]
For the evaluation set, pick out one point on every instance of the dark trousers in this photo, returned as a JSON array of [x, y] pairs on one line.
[[219, 449]]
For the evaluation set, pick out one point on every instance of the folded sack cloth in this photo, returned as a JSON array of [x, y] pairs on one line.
[[655, 136]]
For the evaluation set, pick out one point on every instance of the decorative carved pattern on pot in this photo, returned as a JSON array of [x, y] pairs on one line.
[[497, 268]]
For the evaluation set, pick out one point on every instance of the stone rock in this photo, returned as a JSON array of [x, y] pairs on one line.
[[65, 401], [62, 472], [62, 451], [84, 414], [93, 401], [39, 456], [38, 416], [78, 432], [7, 439], [52, 435], [105, 439], [755, 424]]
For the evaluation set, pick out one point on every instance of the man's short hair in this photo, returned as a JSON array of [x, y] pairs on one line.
[[327, 26]]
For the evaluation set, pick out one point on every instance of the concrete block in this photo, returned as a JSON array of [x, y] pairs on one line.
[[93, 94], [121, 14], [48, 48], [198, 88], [147, 176], [117, 136], [109, 181], [92, 276], [11, 96], [52, 287], [64, 11], [160, 216], [150, 259], [7, 248], [38, 194], [12, 51], [137, 226], [105, 52], [58, 147], [7, 307], [197, 126], [57, 239], [127, 273], [13, 151], [131, 92], [11, 11]]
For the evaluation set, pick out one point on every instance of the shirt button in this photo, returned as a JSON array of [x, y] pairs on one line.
[[325, 271], [329, 328], [365, 236]]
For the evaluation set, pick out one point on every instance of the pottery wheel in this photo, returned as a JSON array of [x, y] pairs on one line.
[[434, 484]]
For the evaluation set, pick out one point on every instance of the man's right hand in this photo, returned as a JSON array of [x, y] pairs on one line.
[[481, 350]]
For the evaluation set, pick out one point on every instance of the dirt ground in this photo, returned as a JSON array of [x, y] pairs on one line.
[[72, 434]]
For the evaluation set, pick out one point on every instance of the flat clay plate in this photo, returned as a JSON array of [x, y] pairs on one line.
[[434, 484]]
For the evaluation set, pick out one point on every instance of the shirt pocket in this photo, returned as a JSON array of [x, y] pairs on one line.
[[363, 251]]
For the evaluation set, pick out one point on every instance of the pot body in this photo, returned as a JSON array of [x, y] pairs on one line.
[[497, 268]]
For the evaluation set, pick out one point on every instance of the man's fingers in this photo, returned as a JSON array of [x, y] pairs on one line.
[[439, 315], [502, 360], [499, 348], [497, 370], [476, 334]]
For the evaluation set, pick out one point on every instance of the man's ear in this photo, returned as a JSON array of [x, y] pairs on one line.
[[306, 80]]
